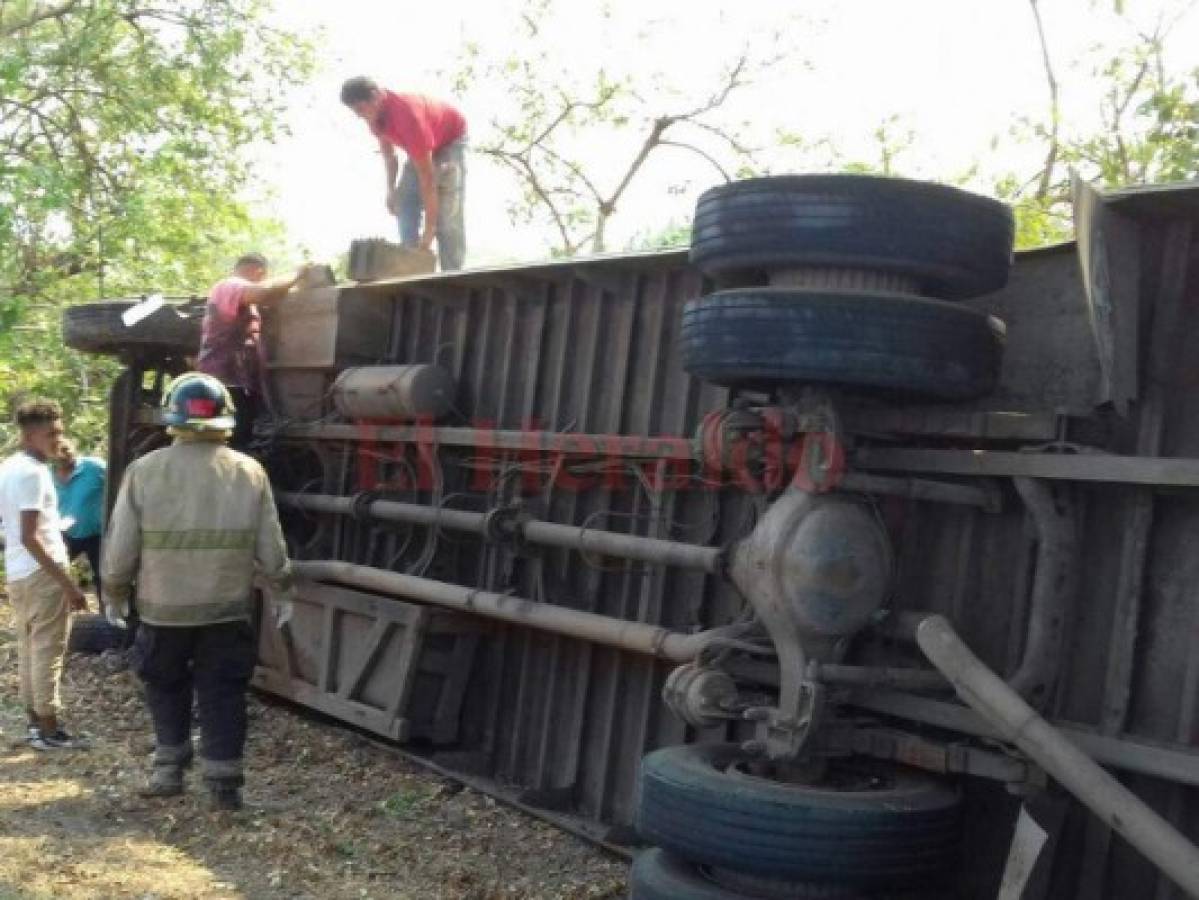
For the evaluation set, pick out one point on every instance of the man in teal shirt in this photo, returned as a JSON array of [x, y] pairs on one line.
[[79, 481]]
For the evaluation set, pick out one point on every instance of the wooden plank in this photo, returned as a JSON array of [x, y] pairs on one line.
[[376, 639], [339, 698], [332, 634], [410, 646], [372, 719]]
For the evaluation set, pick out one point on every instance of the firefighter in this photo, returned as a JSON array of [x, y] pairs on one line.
[[191, 524]]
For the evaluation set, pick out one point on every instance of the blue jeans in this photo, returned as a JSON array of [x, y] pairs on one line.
[[449, 164]]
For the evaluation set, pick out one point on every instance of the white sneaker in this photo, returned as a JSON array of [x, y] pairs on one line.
[[55, 740]]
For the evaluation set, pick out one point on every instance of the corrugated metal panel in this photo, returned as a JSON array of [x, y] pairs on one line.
[[587, 348], [591, 347]]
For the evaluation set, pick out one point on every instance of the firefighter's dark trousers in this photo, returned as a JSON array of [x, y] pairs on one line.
[[213, 664]]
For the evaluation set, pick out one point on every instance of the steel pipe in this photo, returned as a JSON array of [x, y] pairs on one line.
[[1021, 725], [896, 678], [387, 510], [636, 637], [548, 534], [625, 546]]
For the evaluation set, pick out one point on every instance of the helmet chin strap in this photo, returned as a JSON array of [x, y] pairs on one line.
[[199, 434]]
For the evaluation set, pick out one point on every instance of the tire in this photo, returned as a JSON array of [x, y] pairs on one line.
[[656, 875], [97, 328], [882, 342], [956, 244], [91, 633], [901, 831]]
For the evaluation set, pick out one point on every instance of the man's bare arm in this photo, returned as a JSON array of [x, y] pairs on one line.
[[268, 292], [31, 542], [391, 169], [426, 175]]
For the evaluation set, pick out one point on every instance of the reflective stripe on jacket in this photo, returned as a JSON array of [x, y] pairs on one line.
[[192, 525]]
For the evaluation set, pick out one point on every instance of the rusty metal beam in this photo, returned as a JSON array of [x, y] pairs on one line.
[[933, 421], [900, 421], [985, 496], [566, 443], [1170, 761], [1156, 471]]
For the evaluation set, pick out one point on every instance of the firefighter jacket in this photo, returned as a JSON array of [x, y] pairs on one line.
[[192, 526]]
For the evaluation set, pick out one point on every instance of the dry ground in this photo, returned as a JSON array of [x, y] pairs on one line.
[[329, 816]]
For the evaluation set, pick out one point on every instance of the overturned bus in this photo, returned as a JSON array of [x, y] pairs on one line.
[[843, 556]]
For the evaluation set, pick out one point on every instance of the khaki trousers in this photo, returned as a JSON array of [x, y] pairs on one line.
[[41, 614]]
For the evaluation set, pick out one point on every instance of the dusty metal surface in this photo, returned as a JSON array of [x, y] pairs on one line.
[[586, 349], [360, 658]]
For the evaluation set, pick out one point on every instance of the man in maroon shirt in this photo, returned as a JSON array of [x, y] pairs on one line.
[[229, 346], [433, 181]]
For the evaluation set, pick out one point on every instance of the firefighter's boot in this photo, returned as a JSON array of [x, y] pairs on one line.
[[224, 794], [166, 777]]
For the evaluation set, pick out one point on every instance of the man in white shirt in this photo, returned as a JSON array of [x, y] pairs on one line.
[[35, 561]]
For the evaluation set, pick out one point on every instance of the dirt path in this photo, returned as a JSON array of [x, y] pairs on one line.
[[329, 816]]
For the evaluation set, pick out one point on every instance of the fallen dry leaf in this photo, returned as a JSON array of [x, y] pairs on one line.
[[329, 816]]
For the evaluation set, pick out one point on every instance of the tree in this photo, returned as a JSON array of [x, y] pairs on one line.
[[672, 236], [1149, 133], [122, 130], [557, 111]]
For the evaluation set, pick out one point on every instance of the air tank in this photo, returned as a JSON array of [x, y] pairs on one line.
[[393, 392]]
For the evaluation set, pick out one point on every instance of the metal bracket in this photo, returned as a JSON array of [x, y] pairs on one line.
[[505, 525], [784, 734], [957, 757]]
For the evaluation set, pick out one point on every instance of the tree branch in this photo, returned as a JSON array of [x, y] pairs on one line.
[[683, 146], [733, 80], [662, 124], [521, 166], [653, 139], [575, 170], [1054, 150], [36, 15], [735, 145], [569, 106]]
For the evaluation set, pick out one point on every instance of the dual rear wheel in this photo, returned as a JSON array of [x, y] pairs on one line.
[[859, 273], [852, 284]]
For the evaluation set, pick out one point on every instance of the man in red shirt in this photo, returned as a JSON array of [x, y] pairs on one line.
[[433, 182], [229, 345]]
